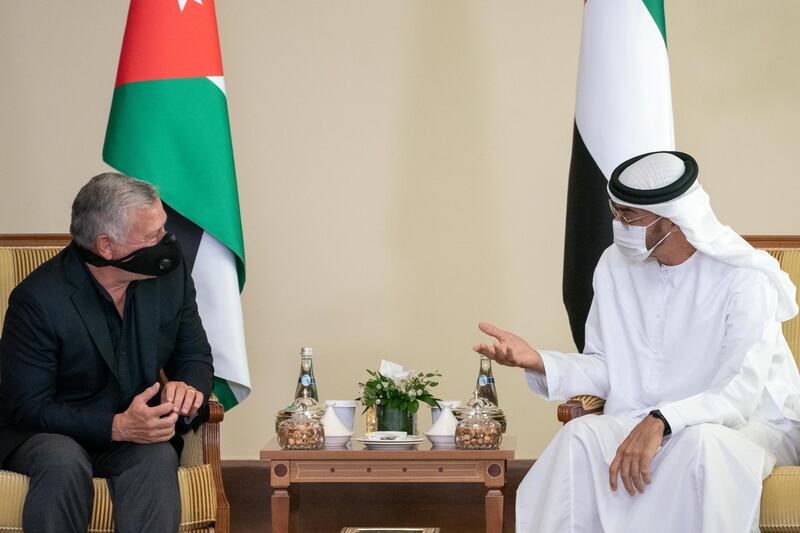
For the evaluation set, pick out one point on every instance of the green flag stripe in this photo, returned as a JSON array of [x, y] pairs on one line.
[[175, 134], [224, 393], [656, 9]]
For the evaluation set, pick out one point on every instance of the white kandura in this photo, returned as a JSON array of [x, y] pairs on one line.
[[701, 342]]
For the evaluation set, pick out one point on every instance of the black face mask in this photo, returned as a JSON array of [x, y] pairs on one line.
[[157, 260]]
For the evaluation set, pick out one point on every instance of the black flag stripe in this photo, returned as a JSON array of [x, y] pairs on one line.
[[588, 233], [188, 233]]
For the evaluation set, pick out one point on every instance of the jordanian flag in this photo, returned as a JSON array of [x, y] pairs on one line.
[[169, 125], [623, 108]]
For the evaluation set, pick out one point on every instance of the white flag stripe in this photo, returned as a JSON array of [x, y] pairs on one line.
[[624, 104], [220, 308], [240, 392], [219, 81]]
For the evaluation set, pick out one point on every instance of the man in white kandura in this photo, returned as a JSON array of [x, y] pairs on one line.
[[684, 341]]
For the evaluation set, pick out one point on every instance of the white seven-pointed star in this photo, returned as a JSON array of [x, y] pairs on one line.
[[182, 3]]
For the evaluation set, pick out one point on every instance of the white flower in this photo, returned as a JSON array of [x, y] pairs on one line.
[[419, 392], [400, 377], [378, 401]]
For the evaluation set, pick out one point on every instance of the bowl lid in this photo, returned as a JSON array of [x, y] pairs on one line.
[[303, 406], [478, 405]]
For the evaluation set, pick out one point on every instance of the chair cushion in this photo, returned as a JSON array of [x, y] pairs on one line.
[[780, 511], [198, 501], [789, 258], [16, 263], [192, 454], [13, 488]]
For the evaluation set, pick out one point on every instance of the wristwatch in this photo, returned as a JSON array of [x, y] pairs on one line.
[[656, 413]]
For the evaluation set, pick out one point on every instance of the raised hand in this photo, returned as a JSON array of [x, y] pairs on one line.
[[143, 424], [509, 350]]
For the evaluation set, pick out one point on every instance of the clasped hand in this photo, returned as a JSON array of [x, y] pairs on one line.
[[143, 424]]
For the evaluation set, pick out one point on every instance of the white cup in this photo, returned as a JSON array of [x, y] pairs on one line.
[[346, 411], [436, 412]]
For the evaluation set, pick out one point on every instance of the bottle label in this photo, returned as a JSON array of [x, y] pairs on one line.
[[485, 380], [305, 380]]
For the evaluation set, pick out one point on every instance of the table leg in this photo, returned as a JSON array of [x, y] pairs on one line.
[[494, 511], [280, 511], [280, 481]]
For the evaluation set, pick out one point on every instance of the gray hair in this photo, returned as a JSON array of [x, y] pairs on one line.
[[102, 207]]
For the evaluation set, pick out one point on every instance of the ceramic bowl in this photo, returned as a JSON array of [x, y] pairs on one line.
[[336, 441], [442, 441]]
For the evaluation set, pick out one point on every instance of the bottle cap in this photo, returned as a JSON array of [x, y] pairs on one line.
[[304, 351]]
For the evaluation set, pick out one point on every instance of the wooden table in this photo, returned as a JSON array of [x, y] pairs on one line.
[[356, 464]]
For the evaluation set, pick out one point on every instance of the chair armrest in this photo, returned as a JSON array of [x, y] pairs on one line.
[[579, 406], [215, 411], [211, 455]]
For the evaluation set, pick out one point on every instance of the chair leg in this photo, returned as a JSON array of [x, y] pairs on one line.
[[211, 455]]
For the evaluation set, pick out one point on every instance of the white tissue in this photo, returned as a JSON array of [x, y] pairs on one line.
[[392, 370], [445, 425], [333, 426]]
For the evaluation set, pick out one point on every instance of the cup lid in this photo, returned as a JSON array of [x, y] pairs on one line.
[[452, 404]]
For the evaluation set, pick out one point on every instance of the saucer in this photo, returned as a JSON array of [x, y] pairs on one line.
[[409, 442]]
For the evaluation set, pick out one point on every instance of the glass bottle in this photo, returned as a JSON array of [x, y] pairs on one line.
[[306, 381], [484, 386]]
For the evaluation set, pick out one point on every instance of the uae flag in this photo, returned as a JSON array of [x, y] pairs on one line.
[[168, 125], [623, 108]]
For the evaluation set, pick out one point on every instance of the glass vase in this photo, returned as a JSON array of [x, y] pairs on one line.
[[394, 419]]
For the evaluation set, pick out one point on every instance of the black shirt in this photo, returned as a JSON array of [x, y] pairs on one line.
[[122, 330]]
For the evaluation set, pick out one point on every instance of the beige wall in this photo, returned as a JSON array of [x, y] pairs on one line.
[[402, 166]]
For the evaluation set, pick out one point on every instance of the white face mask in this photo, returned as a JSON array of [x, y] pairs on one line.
[[632, 241]]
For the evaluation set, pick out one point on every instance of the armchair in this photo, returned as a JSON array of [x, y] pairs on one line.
[[779, 501], [204, 506]]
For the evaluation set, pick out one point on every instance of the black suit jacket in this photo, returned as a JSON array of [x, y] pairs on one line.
[[57, 371]]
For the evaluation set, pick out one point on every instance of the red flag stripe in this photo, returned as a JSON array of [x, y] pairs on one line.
[[163, 42]]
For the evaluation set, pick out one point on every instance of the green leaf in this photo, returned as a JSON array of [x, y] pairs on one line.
[[431, 401]]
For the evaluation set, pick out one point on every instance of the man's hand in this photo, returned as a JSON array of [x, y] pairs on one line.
[[143, 424], [634, 455], [509, 350], [185, 399]]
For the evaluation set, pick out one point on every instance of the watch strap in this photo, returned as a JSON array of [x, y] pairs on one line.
[[656, 413]]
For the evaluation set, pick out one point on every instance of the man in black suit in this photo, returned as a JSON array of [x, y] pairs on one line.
[[84, 339]]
